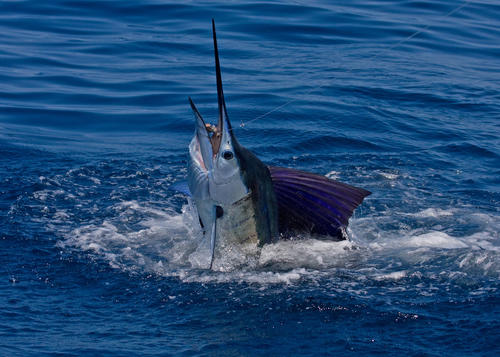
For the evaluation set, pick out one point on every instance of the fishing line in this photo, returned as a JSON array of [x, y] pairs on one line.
[[416, 33]]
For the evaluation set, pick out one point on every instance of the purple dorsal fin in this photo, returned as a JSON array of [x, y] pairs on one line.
[[313, 203]]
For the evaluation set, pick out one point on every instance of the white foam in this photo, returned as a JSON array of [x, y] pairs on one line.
[[168, 243], [397, 275], [433, 212], [334, 175], [388, 175], [43, 195], [434, 240], [309, 253], [417, 240], [251, 277]]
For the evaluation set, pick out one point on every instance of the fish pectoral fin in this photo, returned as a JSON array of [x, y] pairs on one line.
[[313, 203], [212, 242], [182, 187]]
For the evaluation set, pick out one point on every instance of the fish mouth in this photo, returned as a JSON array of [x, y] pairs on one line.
[[209, 136], [215, 135]]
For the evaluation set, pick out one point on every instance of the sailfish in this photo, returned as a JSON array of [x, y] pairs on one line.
[[240, 201]]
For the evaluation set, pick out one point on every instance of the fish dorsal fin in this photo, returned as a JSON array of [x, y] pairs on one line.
[[313, 203]]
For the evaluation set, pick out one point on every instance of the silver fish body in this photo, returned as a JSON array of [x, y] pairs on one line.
[[225, 206], [231, 188]]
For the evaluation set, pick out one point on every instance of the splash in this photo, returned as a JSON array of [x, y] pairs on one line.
[[169, 243], [147, 235]]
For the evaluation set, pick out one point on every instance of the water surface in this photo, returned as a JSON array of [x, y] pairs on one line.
[[99, 257]]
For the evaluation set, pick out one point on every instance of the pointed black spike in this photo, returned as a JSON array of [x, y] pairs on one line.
[[220, 92], [195, 110]]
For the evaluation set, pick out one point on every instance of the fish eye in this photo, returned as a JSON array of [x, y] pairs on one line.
[[228, 155]]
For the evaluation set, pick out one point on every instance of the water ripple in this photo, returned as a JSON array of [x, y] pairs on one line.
[[100, 257]]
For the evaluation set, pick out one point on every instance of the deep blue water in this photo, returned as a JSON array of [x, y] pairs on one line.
[[99, 257]]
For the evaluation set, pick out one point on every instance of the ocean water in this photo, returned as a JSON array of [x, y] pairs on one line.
[[98, 257]]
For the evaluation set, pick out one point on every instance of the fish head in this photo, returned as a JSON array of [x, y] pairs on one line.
[[227, 176], [217, 155]]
